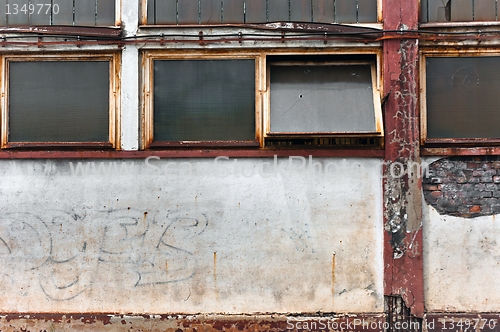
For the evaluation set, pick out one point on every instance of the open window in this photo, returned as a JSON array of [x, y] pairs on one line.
[[55, 101], [201, 101], [460, 100], [315, 100]]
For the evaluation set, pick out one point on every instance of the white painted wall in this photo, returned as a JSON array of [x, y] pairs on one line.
[[156, 241], [461, 262]]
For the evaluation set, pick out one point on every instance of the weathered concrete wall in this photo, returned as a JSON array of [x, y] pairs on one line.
[[462, 253], [190, 236]]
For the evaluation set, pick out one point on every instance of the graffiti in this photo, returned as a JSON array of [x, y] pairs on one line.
[[68, 249]]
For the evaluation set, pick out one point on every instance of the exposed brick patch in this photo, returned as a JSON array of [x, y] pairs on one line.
[[464, 186]]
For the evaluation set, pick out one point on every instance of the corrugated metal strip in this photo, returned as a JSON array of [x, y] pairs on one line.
[[57, 12], [188, 12], [459, 10]]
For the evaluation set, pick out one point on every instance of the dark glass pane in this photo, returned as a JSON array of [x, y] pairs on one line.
[[85, 12], [210, 12], [187, 11], [64, 10], [255, 11], [485, 10], [105, 13], [277, 10], [40, 15], [18, 13], [345, 11], [166, 11], [233, 11], [367, 11], [59, 101], [424, 11], [151, 12], [439, 10], [204, 100], [323, 11], [3, 13], [322, 99], [461, 10], [300, 10], [463, 97]]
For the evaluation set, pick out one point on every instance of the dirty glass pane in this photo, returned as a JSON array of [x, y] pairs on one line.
[[204, 100], [85, 12], [233, 11], [166, 12], [277, 10], [300, 10], [210, 12], [439, 10], [461, 10], [39, 12], [150, 11], [187, 11], [423, 11], [3, 10], [463, 97], [345, 11], [334, 98], [17, 14], [65, 14], [105, 12], [367, 11], [323, 11], [255, 11], [59, 101], [484, 10]]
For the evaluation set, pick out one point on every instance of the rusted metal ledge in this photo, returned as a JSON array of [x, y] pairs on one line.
[[288, 26], [179, 323], [462, 151], [192, 153], [110, 32]]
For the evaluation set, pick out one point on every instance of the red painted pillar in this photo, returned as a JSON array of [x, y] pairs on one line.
[[402, 192]]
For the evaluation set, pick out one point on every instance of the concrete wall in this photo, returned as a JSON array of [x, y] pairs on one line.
[[191, 235], [461, 249]]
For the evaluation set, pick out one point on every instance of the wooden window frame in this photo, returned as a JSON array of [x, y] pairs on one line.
[[148, 99], [379, 130], [448, 142], [114, 60]]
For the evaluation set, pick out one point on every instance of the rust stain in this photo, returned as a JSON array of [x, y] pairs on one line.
[[333, 275], [215, 276]]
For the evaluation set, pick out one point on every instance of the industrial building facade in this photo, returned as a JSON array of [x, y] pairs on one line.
[[255, 165]]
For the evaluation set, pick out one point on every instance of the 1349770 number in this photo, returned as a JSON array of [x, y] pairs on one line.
[[32, 9]]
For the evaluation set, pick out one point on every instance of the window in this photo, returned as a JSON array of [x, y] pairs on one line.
[[304, 100], [323, 98], [191, 12], [461, 98], [58, 12], [201, 101], [59, 101]]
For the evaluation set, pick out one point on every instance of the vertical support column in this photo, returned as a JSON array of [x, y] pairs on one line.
[[129, 79], [403, 267]]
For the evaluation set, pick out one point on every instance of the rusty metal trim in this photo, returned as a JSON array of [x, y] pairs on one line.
[[460, 151], [159, 144], [341, 29], [189, 153], [108, 32]]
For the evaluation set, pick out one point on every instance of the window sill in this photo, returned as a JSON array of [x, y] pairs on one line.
[[460, 151], [192, 153]]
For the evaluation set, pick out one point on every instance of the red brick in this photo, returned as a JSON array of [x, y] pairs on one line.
[[475, 209], [437, 194]]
